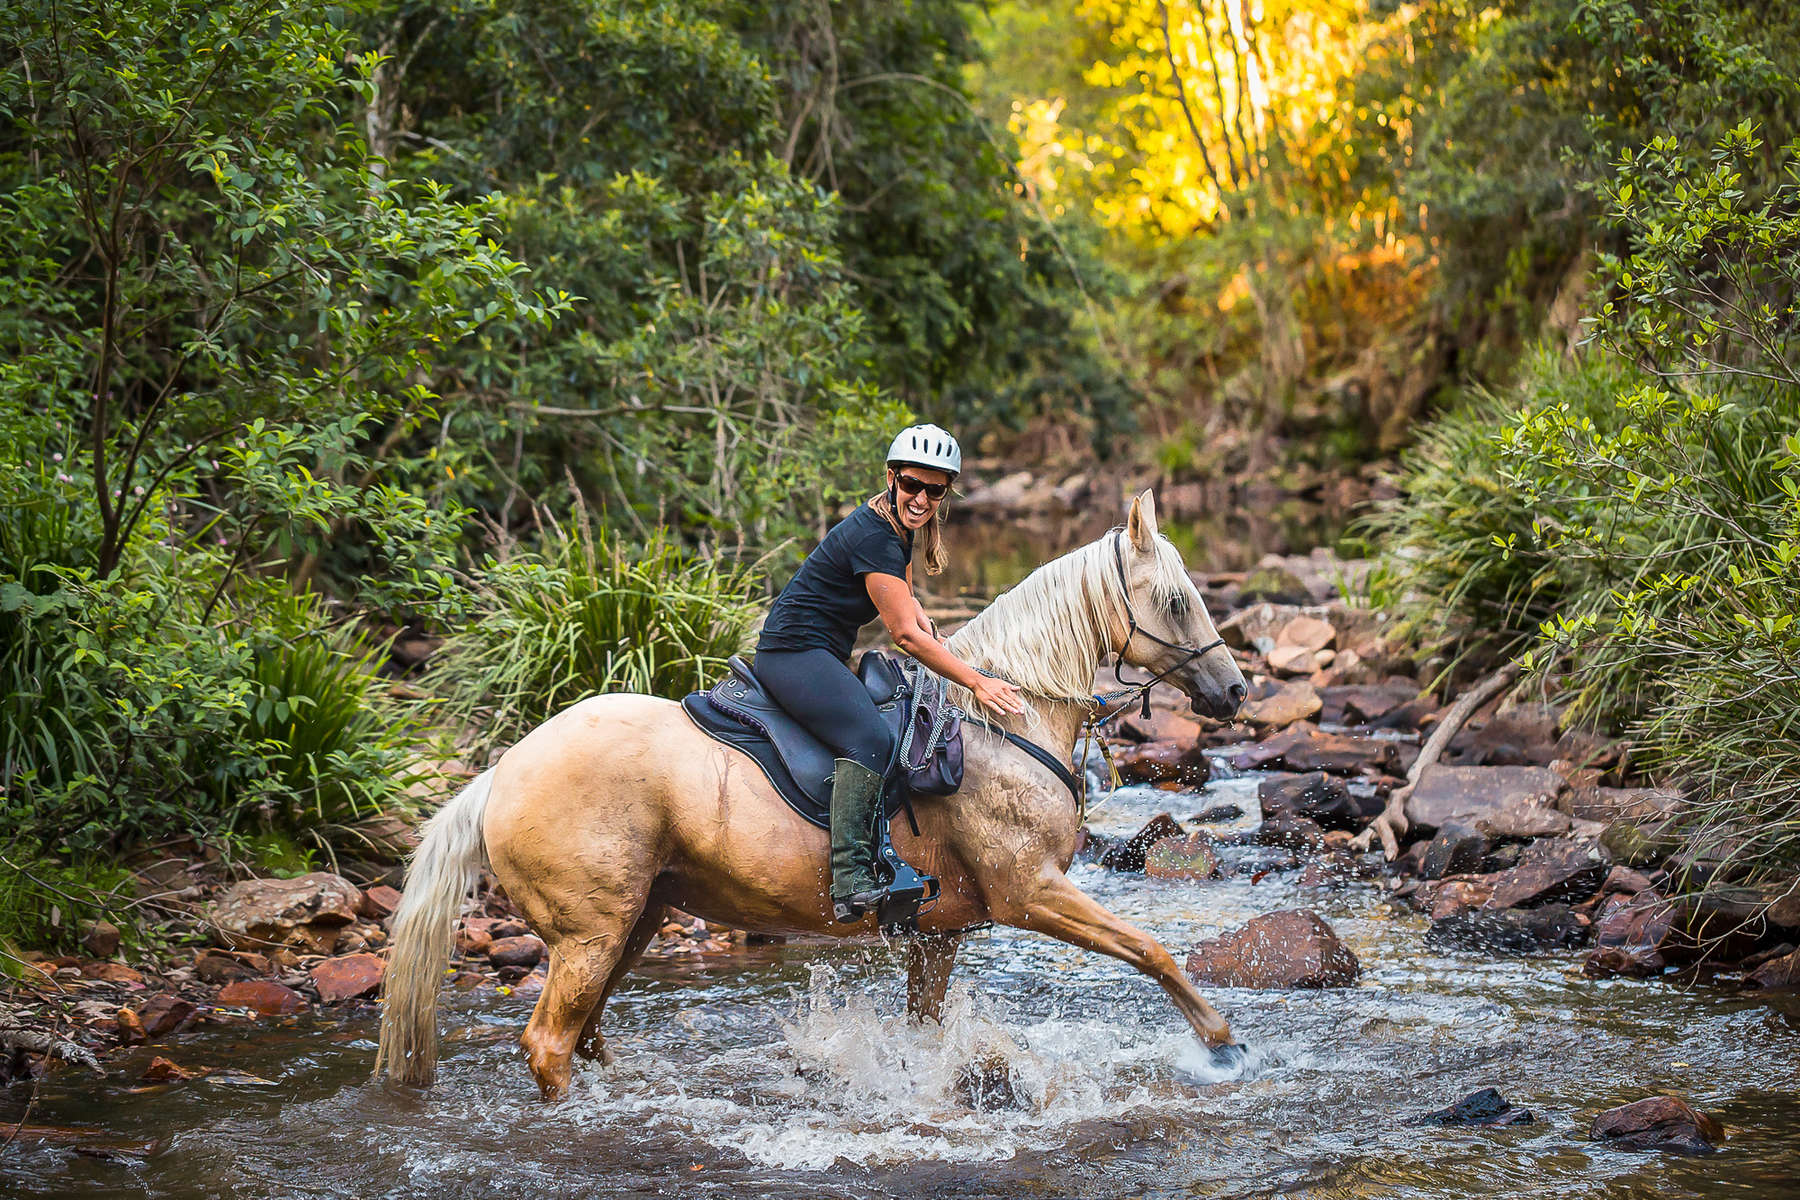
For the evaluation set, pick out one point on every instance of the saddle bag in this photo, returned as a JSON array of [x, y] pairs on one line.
[[931, 742]]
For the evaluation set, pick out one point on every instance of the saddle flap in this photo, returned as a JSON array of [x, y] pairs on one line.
[[881, 676]]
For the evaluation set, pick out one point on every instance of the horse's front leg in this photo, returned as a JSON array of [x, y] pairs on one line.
[[1057, 907], [930, 957]]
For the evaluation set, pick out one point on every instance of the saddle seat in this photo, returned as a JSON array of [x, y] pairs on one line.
[[740, 714]]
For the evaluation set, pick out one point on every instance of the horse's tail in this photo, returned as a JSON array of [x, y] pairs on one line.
[[443, 871]]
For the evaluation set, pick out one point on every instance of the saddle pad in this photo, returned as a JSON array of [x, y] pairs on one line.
[[810, 795]]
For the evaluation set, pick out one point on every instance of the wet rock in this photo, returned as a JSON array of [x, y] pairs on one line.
[[1303, 747], [263, 996], [1474, 792], [1190, 857], [100, 938], [988, 1083], [1630, 939], [305, 913], [1781, 972], [1318, 797], [1783, 910], [1409, 717], [217, 967], [1128, 855], [1294, 948], [1456, 850], [1503, 857], [129, 1028], [1443, 899], [1510, 930], [1218, 814], [163, 1070], [1292, 832], [348, 978], [1162, 726], [1238, 862], [1622, 880], [1486, 1107], [1155, 762], [1295, 702], [380, 901], [522, 951], [1659, 1123], [1552, 869], [164, 1014]]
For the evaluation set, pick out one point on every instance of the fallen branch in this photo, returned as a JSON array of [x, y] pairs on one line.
[[15, 1037], [1392, 821]]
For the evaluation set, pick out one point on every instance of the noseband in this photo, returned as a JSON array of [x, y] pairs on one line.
[[1133, 629]]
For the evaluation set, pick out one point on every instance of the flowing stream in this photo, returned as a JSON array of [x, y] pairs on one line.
[[790, 1070]]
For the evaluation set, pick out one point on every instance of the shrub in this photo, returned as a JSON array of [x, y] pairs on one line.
[[588, 613]]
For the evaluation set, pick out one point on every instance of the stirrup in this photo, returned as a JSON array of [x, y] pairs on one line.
[[848, 910], [908, 892]]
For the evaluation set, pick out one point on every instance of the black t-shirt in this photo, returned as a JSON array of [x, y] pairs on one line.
[[827, 600]]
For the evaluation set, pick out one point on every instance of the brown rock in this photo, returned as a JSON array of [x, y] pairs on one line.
[[523, 951], [1302, 747], [1474, 792], [1290, 831], [1446, 898], [165, 1014], [380, 901], [1162, 726], [1296, 701], [1128, 855], [218, 967], [1155, 762], [263, 996], [1783, 972], [474, 936], [1318, 797], [1306, 633], [1623, 880], [1523, 821], [1623, 804], [305, 913], [162, 1070], [1362, 704], [100, 938], [1289, 949], [1658, 1123], [348, 978], [111, 972], [1552, 869], [1293, 660], [1524, 735], [1190, 857], [1783, 911], [131, 1028]]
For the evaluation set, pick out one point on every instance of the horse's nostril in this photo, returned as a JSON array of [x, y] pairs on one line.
[[1236, 692]]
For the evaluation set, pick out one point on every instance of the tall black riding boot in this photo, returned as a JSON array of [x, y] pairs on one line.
[[855, 797]]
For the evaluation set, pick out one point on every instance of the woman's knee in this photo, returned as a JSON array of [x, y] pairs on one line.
[[867, 743]]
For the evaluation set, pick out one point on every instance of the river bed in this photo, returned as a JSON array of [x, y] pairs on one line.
[[791, 1071]]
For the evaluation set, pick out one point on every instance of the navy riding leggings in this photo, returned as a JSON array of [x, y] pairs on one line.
[[819, 691]]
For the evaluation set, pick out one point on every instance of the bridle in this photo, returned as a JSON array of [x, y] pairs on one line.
[[1133, 629]]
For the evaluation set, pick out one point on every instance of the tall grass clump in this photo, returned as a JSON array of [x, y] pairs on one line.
[[1631, 520], [586, 613]]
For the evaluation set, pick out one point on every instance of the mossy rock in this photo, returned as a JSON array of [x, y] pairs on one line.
[[1273, 585], [1638, 844]]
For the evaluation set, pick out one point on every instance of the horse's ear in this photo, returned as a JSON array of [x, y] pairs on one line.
[[1141, 524]]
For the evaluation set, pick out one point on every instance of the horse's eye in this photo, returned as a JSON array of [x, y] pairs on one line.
[[1179, 606]]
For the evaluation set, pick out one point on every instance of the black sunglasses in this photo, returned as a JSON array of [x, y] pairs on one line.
[[913, 485]]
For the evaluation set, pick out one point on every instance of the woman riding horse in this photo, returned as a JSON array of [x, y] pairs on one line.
[[862, 568]]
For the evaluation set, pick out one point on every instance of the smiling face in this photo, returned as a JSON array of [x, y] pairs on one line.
[[914, 503]]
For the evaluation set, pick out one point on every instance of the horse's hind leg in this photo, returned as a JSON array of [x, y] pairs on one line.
[[930, 958], [592, 1045], [1062, 910]]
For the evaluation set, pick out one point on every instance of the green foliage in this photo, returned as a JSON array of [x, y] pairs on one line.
[[589, 613], [1652, 539], [44, 900]]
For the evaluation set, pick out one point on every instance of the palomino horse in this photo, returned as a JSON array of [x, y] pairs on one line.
[[618, 807]]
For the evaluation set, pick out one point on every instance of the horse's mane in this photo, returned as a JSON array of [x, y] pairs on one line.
[[1047, 632]]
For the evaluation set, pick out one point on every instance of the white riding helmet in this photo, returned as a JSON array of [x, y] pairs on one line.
[[926, 446]]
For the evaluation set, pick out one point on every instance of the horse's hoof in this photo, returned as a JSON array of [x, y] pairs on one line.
[[1232, 1056]]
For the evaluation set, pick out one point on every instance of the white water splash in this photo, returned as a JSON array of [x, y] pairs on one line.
[[848, 1084]]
